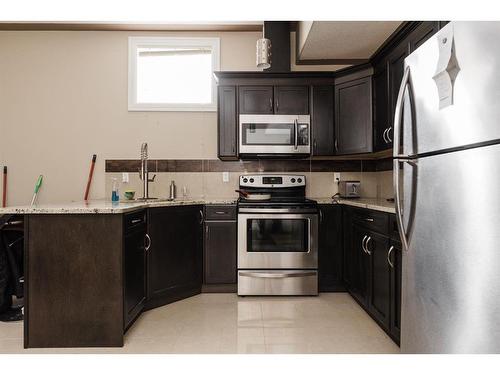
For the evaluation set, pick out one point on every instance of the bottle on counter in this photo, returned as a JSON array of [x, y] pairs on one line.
[[172, 190], [115, 194]]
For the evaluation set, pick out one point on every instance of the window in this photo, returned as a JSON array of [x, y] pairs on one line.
[[172, 74]]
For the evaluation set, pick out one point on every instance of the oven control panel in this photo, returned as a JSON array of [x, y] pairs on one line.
[[273, 181]]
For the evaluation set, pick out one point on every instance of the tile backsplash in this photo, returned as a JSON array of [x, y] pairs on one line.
[[206, 185]]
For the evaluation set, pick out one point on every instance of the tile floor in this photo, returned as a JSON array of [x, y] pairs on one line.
[[225, 323]]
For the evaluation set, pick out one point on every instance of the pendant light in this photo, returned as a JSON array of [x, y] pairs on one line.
[[263, 51]]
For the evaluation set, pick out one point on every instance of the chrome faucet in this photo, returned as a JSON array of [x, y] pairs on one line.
[[144, 174]]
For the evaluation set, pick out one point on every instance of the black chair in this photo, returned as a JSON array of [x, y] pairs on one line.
[[11, 266]]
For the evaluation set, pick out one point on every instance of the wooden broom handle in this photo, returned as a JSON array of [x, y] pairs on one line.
[[91, 173]]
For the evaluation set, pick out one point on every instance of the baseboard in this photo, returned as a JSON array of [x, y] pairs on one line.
[[219, 288]]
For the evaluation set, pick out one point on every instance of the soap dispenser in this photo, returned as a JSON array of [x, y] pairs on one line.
[[172, 191]]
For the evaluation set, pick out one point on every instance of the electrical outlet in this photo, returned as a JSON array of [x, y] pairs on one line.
[[225, 176], [125, 177], [336, 176]]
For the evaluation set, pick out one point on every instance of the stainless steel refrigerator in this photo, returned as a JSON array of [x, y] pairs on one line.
[[447, 187]]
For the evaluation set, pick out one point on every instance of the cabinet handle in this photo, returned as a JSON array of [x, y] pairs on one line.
[[135, 221], [207, 231], [369, 219], [366, 245], [314, 145], [148, 243], [202, 219], [363, 243], [270, 104], [233, 149], [389, 257], [320, 215], [277, 104], [384, 135], [220, 212], [387, 135], [336, 146]]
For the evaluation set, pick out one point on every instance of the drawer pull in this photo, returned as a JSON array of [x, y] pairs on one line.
[[135, 221], [220, 212], [369, 219]]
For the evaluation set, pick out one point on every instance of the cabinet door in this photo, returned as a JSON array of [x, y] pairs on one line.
[[381, 112], [423, 32], [256, 100], [227, 123], [220, 252], [361, 265], [379, 300], [353, 113], [291, 100], [322, 121], [330, 249], [134, 273], [396, 277], [396, 72], [175, 256]]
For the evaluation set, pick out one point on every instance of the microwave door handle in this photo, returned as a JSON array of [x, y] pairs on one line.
[[296, 128]]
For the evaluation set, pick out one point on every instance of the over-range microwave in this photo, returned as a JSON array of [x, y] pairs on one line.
[[274, 136]]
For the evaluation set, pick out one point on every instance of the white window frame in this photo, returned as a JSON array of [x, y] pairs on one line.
[[137, 42]]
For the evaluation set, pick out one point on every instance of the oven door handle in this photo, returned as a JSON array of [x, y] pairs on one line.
[[276, 275], [296, 125]]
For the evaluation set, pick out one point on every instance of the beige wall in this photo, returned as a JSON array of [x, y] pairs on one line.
[[63, 97]]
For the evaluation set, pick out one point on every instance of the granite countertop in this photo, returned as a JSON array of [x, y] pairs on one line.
[[377, 204], [107, 207], [101, 206]]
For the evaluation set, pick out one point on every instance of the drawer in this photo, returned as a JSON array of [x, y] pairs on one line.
[[277, 283], [134, 219], [393, 227], [373, 220], [220, 212]]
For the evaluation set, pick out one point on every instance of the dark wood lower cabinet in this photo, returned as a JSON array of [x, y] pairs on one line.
[[368, 276], [175, 256], [379, 277], [330, 249], [73, 281], [396, 257], [134, 267], [220, 252]]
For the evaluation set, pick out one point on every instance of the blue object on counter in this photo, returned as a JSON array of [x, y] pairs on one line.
[[115, 197]]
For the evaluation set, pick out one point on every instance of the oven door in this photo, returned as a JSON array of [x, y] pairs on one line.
[[277, 240], [274, 134]]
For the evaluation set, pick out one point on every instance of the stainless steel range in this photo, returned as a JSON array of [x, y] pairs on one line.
[[277, 237]]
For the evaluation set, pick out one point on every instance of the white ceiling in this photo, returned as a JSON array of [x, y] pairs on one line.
[[343, 39]]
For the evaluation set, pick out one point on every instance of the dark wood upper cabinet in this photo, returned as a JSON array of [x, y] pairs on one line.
[[353, 116], [256, 100], [396, 72], [175, 258], [291, 100], [423, 32], [330, 255], [322, 121], [227, 123], [381, 111]]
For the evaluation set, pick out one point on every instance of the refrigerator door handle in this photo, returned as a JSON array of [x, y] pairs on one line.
[[397, 200], [398, 114]]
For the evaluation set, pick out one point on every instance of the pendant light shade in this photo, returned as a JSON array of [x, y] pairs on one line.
[[263, 52]]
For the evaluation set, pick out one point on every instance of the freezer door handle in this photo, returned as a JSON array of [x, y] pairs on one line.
[[398, 112]]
